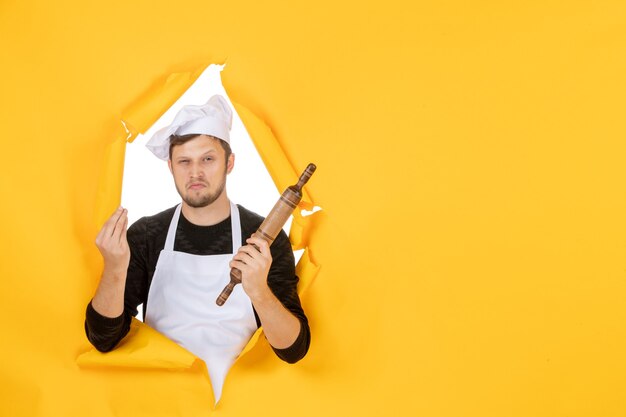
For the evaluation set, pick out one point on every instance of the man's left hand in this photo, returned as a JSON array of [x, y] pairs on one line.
[[254, 265]]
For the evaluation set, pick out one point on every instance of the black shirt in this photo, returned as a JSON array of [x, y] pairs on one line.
[[146, 238]]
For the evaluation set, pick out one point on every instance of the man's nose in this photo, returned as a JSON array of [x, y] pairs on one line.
[[196, 170]]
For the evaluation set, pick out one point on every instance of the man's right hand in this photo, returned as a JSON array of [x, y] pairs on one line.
[[112, 244]]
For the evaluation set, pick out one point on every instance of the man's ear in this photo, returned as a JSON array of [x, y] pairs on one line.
[[169, 165], [231, 163]]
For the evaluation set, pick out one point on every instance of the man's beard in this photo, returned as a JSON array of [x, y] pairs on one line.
[[203, 200]]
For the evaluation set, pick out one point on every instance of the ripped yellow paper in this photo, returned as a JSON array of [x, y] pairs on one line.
[[145, 111], [143, 347], [471, 171]]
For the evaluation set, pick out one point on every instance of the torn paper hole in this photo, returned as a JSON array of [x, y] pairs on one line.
[[120, 153], [306, 213], [148, 186]]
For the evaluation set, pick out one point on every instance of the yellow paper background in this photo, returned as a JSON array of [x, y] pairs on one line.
[[471, 173]]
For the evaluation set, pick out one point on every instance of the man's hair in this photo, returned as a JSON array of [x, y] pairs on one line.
[[176, 140]]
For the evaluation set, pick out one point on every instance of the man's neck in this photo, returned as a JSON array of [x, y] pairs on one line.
[[212, 214]]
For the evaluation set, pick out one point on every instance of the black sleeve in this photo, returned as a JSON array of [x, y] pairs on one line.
[[283, 282], [103, 332]]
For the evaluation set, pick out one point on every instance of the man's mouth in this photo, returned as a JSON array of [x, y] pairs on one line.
[[196, 186]]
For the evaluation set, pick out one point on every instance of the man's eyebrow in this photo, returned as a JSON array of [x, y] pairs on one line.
[[210, 151], [189, 157]]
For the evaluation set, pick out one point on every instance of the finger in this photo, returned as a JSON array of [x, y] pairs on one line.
[[119, 225], [105, 230], [109, 225], [249, 251], [242, 266], [124, 227], [255, 260], [242, 256], [261, 244]]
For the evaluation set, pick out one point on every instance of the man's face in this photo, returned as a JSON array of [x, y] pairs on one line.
[[199, 168]]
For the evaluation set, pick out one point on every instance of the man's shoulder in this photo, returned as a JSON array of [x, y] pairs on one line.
[[164, 216], [249, 219], [154, 222]]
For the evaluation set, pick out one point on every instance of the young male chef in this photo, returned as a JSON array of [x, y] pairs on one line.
[[177, 262]]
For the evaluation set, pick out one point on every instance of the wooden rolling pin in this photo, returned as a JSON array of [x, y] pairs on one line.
[[272, 225]]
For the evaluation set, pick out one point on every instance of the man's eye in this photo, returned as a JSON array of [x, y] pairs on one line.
[[208, 158], [183, 161]]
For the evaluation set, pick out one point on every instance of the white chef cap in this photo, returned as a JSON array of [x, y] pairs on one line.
[[214, 118]]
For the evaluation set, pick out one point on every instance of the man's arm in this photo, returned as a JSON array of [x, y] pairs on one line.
[[276, 304], [106, 332], [105, 322], [112, 244]]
